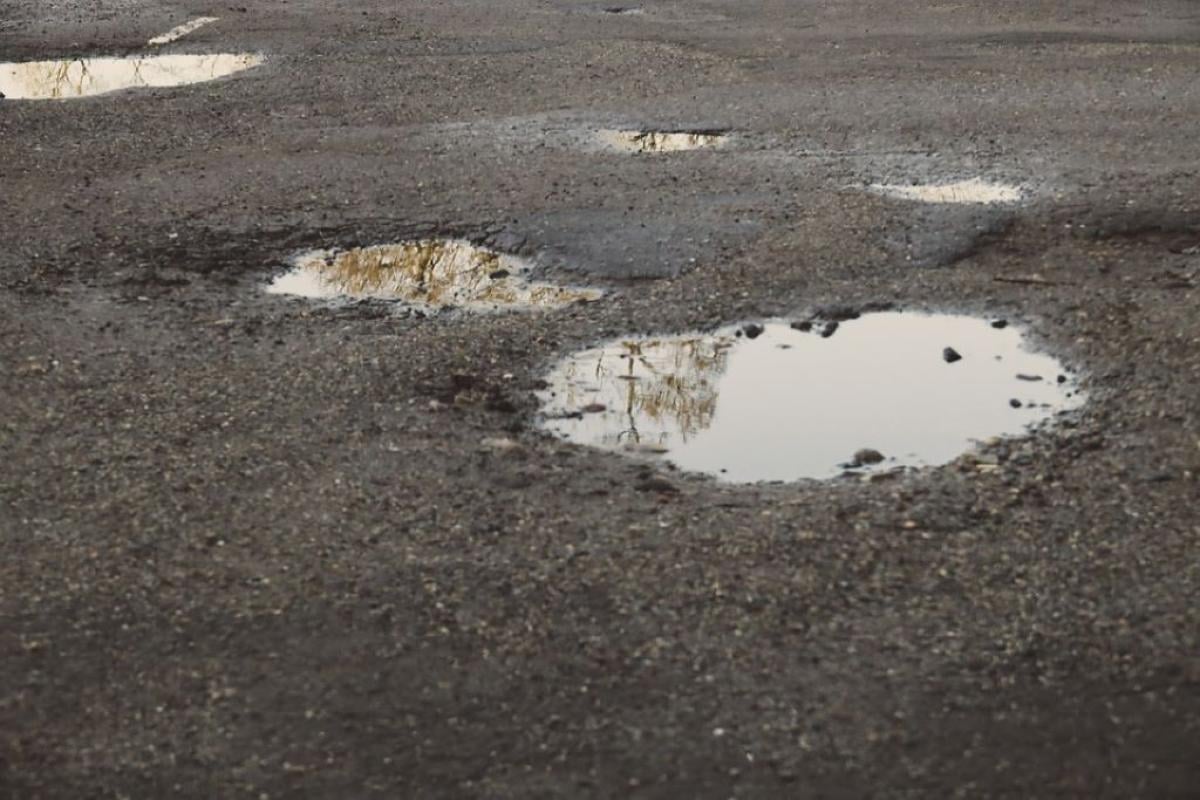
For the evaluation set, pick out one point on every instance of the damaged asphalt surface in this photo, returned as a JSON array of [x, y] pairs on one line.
[[252, 546]]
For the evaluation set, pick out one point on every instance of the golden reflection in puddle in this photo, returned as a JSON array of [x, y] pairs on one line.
[[661, 141], [431, 274], [68, 79], [801, 402]]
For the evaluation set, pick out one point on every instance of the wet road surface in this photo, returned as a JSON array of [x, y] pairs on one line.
[[256, 545]]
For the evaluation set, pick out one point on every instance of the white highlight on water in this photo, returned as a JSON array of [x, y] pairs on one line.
[[181, 31], [974, 191]]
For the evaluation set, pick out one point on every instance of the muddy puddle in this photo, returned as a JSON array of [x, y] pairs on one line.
[[784, 401], [969, 192], [662, 141], [74, 78], [430, 275]]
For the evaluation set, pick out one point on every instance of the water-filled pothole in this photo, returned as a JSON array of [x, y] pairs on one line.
[[971, 192], [779, 402], [87, 77], [432, 274], [662, 141]]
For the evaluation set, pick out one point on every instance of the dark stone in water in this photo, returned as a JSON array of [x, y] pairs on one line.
[[498, 274], [1000, 324], [950, 355], [829, 330], [1032, 378], [867, 456], [802, 326], [1015, 403], [1062, 378], [594, 408], [753, 330]]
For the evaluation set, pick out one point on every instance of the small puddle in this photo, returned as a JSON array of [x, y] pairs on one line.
[[434, 274], [87, 77], [976, 191], [180, 31], [662, 141], [779, 402]]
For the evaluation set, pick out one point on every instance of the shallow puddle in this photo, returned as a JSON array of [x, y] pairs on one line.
[[779, 402], [661, 141], [433, 274], [68, 79], [974, 191]]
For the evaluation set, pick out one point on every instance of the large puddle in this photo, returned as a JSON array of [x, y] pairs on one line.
[[779, 402], [87, 77], [661, 141], [433, 274]]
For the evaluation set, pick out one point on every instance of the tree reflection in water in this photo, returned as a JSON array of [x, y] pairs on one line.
[[663, 387], [72, 78], [661, 141]]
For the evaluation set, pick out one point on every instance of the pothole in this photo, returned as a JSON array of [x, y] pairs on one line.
[[87, 77], [975, 191], [432, 274], [662, 141], [780, 401]]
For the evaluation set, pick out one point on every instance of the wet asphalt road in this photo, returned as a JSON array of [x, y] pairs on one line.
[[257, 547]]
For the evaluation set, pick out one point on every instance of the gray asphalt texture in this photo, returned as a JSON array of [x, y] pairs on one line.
[[252, 546]]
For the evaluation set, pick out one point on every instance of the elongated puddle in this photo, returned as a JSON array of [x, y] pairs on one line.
[[73, 78], [779, 403], [661, 141], [433, 274], [970, 192]]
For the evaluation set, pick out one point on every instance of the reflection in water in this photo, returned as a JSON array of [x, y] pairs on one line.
[[661, 141], [653, 387], [64, 80], [791, 404], [433, 274], [975, 191]]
